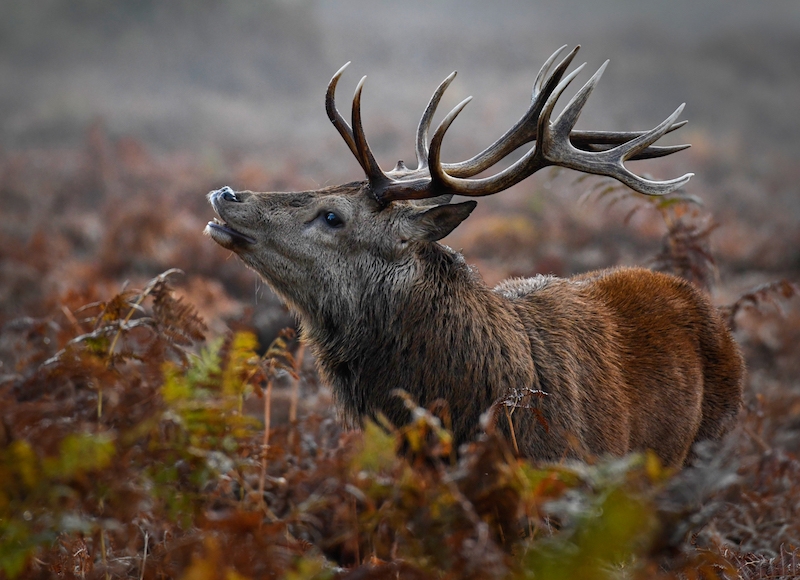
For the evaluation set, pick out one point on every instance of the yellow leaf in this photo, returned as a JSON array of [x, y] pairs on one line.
[[377, 452]]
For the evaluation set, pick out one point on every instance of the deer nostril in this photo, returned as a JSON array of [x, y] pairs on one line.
[[227, 194]]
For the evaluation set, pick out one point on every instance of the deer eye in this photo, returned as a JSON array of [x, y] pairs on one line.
[[332, 219]]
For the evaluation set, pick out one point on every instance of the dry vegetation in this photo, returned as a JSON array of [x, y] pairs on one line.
[[159, 423], [133, 398]]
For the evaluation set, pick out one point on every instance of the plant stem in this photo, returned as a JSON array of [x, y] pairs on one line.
[[265, 440]]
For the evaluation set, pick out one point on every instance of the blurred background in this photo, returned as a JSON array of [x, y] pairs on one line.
[[117, 117], [215, 74]]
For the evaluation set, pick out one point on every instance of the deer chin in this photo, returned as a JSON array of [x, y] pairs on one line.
[[226, 236]]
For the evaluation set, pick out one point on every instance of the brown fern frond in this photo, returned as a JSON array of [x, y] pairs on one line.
[[784, 565], [686, 248], [770, 293], [178, 320], [117, 325], [97, 340], [686, 252], [663, 205], [116, 308], [278, 356]]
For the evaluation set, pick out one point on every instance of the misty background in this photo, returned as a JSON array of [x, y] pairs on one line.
[[240, 73], [227, 79]]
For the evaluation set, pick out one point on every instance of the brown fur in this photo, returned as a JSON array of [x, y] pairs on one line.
[[629, 359]]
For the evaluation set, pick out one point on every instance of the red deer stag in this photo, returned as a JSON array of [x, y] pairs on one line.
[[627, 359]]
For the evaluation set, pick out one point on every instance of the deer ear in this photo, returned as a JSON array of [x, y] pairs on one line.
[[435, 223]]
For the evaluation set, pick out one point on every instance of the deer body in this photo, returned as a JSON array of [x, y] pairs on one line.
[[624, 359]]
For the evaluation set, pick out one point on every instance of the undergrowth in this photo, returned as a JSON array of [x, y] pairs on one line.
[[126, 455]]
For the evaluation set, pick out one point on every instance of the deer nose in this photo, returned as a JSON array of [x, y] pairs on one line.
[[227, 194]]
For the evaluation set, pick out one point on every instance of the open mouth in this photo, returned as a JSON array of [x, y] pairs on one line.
[[225, 235]]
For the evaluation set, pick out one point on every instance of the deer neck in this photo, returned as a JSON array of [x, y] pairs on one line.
[[421, 335], [356, 321]]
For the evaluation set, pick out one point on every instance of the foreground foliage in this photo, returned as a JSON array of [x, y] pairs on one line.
[[125, 456]]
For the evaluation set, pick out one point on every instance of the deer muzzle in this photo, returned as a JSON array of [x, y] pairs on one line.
[[218, 229]]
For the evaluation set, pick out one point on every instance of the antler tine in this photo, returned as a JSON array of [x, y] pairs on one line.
[[565, 122], [363, 153], [437, 181], [605, 140], [425, 122], [629, 150], [541, 76], [527, 165], [652, 152], [557, 149], [588, 138], [524, 130], [333, 113], [641, 142]]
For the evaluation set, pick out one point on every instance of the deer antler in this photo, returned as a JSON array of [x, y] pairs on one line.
[[555, 143]]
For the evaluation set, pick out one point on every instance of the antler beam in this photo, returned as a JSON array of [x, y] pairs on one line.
[[555, 143]]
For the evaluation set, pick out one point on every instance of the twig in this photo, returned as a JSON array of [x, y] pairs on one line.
[[298, 363], [265, 441], [511, 429], [103, 552], [355, 519], [134, 308], [144, 557], [70, 317]]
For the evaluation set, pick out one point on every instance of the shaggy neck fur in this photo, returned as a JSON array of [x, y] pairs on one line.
[[444, 337]]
